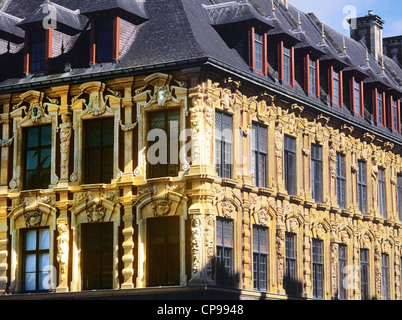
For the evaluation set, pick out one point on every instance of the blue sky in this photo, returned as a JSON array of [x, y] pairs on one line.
[[334, 13]]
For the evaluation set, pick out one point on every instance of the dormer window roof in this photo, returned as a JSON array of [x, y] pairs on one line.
[[8, 29], [129, 10]]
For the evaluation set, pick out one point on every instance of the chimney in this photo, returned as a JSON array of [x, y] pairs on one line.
[[368, 29]]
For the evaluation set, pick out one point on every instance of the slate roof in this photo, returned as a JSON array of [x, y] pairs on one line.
[[170, 33]]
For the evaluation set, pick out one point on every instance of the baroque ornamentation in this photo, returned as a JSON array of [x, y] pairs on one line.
[[196, 242], [62, 249], [6, 142], [65, 137], [33, 219], [96, 212], [161, 207]]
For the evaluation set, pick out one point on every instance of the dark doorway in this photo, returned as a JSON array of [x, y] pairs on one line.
[[163, 251], [97, 255]]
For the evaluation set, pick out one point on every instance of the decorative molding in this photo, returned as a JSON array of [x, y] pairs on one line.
[[33, 219]]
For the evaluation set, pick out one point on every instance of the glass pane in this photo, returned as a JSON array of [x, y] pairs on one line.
[[32, 137], [43, 261], [43, 239], [45, 159], [93, 133], [30, 240], [30, 280], [32, 160], [30, 263], [44, 280], [107, 131], [46, 135]]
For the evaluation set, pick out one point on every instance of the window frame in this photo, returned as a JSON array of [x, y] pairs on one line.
[[356, 89], [382, 197], [39, 148], [362, 186], [289, 165], [223, 166], [385, 276], [37, 252], [343, 263], [312, 79], [316, 185], [317, 248], [289, 55], [364, 274], [259, 150], [341, 180], [399, 195], [260, 258], [291, 264], [336, 100], [45, 52], [94, 37], [379, 103], [258, 40], [224, 259]]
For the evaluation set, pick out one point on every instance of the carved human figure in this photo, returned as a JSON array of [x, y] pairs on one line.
[[65, 136]]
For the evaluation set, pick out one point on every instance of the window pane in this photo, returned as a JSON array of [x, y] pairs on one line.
[[33, 137], [30, 281], [43, 239], [43, 261], [30, 263], [30, 240]]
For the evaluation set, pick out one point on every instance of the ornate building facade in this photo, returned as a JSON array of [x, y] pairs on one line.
[[277, 141]]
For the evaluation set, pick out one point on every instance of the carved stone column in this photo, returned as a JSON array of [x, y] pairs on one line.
[[3, 246], [65, 130], [63, 240], [128, 246]]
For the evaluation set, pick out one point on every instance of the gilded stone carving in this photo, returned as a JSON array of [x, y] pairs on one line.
[[280, 251], [6, 142], [33, 219], [65, 137], [96, 212], [196, 242], [161, 207], [62, 249]]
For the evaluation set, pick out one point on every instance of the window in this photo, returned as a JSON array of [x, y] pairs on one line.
[[362, 187], [97, 255], [318, 268], [364, 274], [35, 260], [163, 251], [224, 252], [336, 88], [312, 77], [342, 258], [340, 180], [290, 164], [260, 258], [385, 276], [316, 172], [37, 50], [258, 51], [395, 116], [357, 103], [98, 157], [223, 145], [104, 40], [168, 125], [399, 182], [287, 65], [290, 252], [380, 108], [38, 145], [259, 160], [381, 193]]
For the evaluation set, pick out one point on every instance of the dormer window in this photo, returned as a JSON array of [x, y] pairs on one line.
[[312, 76], [336, 86], [258, 61], [379, 107], [37, 51], [395, 115], [286, 64], [357, 104], [105, 40]]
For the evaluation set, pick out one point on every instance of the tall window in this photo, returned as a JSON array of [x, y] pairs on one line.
[[318, 268], [260, 258], [362, 187], [104, 40], [385, 276], [97, 255], [260, 151], [290, 253], [316, 172], [258, 52], [342, 258], [167, 126], [364, 274], [287, 65], [223, 144], [380, 108], [98, 157], [312, 77], [37, 50], [290, 164], [395, 125], [224, 252], [357, 99], [38, 144], [399, 181], [381, 193], [163, 254], [36, 260], [336, 88], [340, 180]]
